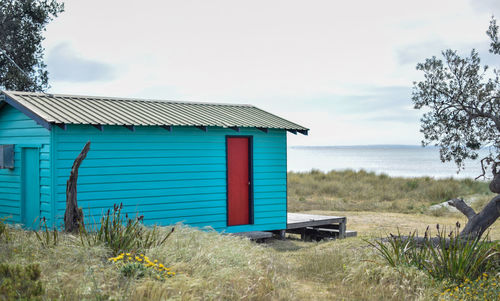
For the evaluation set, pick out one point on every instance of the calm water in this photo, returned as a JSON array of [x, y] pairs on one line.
[[393, 160]]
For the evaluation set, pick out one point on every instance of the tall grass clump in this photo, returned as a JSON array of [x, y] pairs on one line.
[[4, 229], [122, 234], [47, 238], [445, 257]]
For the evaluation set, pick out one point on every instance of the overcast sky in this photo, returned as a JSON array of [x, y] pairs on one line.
[[344, 69]]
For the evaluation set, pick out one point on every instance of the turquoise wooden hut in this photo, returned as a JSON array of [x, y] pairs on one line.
[[217, 165]]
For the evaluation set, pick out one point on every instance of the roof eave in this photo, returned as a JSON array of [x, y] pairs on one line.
[[38, 119]]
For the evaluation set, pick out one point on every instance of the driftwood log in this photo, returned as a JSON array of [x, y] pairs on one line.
[[73, 217]]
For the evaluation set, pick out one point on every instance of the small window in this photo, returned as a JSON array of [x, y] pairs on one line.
[[7, 156]]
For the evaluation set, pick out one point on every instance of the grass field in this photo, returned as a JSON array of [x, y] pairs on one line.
[[210, 266], [366, 191]]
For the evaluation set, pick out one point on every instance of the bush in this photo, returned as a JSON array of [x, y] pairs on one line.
[[442, 258], [123, 234], [20, 282]]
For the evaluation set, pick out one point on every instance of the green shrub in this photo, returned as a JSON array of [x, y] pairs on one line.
[[123, 234], [20, 282], [445, 257]]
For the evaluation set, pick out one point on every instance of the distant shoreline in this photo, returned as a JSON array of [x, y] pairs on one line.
[[363, 146]]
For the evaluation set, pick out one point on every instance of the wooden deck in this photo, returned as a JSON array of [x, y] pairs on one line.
[[309, 226], [312, 226]]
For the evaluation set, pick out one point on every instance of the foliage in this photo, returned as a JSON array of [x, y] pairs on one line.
[[462, 105], [20, 282], [122, 234], [4, 229], [21, 28], [138, 266], [211, 266], [485, 288], [47, 238], [445, 257], [366, 191]]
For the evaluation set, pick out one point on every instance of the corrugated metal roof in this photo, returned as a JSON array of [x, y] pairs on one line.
[[62, 109]]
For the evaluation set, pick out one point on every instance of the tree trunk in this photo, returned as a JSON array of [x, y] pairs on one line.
[[73, 217], [477, 222]]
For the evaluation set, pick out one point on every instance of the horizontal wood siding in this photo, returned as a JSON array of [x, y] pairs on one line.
[[18, 129], [170, 177]]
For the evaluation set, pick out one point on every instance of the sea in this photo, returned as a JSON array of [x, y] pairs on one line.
[[392, 160]]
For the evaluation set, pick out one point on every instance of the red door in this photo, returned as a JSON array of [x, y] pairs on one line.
[[238, 181]]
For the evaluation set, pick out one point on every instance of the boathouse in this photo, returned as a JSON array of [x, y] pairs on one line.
[[217, 165]]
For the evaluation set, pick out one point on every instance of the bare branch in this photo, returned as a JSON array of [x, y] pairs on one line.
[[462, 207]]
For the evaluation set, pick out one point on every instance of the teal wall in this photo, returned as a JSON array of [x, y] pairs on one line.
[[169, 177], [18, 129]]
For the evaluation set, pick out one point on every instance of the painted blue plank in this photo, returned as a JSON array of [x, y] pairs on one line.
[[270, 208], [270, 195], [142, 200], [146, 177], [9, 190], [265, 182], [138, 205], [112, 146], [134, 154], [12, 196], [139, 170], [117, 195], [90, 162], [138, 187]]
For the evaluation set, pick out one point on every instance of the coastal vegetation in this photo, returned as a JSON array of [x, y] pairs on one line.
[[204, 264], [367, 191]]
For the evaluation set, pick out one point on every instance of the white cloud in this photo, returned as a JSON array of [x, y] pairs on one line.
[[322, 57]]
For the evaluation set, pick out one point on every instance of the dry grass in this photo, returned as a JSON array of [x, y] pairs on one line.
[[365, 191], [211, 266], [380, 224]]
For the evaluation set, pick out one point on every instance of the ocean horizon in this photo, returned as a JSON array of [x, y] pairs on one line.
[[394, 160]]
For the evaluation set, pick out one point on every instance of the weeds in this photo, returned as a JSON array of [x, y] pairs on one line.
[[4, 229], [48, 238], [122, 234]]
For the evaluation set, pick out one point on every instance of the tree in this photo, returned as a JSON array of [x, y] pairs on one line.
[[22, 23], [462, 103]]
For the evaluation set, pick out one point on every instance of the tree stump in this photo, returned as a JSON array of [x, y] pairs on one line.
[[73, 217]]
